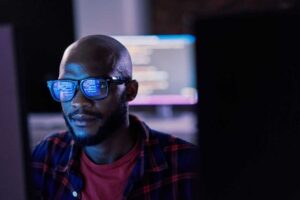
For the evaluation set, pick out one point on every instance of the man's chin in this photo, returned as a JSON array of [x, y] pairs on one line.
[[86, 137], [84, 131], [87, 140]]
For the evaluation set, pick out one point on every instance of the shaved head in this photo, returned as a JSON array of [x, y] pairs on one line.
[[99, 51]]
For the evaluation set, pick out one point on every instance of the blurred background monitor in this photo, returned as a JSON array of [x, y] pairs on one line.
[[14, 142], [164, 66]]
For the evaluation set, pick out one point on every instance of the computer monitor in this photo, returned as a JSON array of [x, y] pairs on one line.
[[164, 66], [13, 182]]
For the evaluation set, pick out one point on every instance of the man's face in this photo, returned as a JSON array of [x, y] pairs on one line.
[[93, 121]]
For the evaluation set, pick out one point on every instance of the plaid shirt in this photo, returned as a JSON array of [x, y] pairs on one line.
[[165, 168]]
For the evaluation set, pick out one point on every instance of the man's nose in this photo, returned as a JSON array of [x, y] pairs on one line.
[[80, 100]]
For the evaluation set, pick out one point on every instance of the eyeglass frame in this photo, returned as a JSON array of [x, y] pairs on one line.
[[118, 80]]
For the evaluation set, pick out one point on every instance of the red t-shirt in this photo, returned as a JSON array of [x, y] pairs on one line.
[[107, 181]]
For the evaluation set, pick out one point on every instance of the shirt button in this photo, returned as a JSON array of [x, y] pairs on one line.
[[74, 193]]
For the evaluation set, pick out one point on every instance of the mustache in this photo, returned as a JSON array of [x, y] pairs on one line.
[[86, 112]]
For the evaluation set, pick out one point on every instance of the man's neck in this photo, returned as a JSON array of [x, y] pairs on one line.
[[112, 148]]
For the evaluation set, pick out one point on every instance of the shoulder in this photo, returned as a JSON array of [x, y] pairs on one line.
[[179, 164], [167, 140], [54, 146], [50, 157], [177, 152]]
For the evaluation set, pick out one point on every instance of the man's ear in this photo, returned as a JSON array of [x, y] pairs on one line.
[[131, 90]]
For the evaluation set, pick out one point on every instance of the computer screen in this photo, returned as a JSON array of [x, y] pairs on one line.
[[12, 144], [164, 66]]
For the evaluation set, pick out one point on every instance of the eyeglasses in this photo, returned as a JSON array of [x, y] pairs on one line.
[[64, 90]]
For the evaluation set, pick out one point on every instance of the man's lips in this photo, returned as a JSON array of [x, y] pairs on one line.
[[83, 120]]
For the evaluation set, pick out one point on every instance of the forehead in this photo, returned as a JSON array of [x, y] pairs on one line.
[[79, 71]]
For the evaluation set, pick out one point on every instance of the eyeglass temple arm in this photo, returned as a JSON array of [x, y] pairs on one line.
[[120, 80]]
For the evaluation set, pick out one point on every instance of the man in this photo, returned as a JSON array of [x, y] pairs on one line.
[[107, 153]]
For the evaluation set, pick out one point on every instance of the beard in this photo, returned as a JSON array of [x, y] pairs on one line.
[[113, 122]]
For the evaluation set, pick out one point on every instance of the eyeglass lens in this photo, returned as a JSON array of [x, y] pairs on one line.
[[64, 90], [94, 88]]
